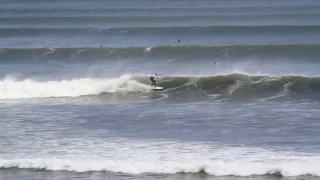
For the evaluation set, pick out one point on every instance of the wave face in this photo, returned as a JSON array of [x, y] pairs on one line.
[[253, 83], [239, 86], [233, 86]]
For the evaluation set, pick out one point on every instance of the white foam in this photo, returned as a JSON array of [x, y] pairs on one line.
[[2, 51], [148, 49], [28, 88], [234, 87], [136, 157], [217, 168], [282, 93]]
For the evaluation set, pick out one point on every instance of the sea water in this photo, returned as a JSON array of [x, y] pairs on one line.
[[240, 101]]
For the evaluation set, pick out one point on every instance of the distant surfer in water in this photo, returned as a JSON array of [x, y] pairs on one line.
[[153, 79]]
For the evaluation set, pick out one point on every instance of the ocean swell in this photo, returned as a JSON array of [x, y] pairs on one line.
[[194, 53]]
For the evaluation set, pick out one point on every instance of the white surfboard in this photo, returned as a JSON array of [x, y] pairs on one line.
[[157, 88]]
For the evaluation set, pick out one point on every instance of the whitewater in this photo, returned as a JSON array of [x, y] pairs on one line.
[[15, 89], [164, 157]]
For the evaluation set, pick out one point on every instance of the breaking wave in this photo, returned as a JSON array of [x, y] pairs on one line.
[[12, 89], [216, 168], [240, 86], [233, 86]]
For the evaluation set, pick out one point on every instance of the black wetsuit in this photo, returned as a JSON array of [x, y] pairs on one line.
[[153, 80]]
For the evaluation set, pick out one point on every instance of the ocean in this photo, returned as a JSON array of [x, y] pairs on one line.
[[241, 94]]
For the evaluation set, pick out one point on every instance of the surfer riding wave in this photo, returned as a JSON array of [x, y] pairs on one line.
[[153, 80]]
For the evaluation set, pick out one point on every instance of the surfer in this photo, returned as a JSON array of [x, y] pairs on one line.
[[153, 79]]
